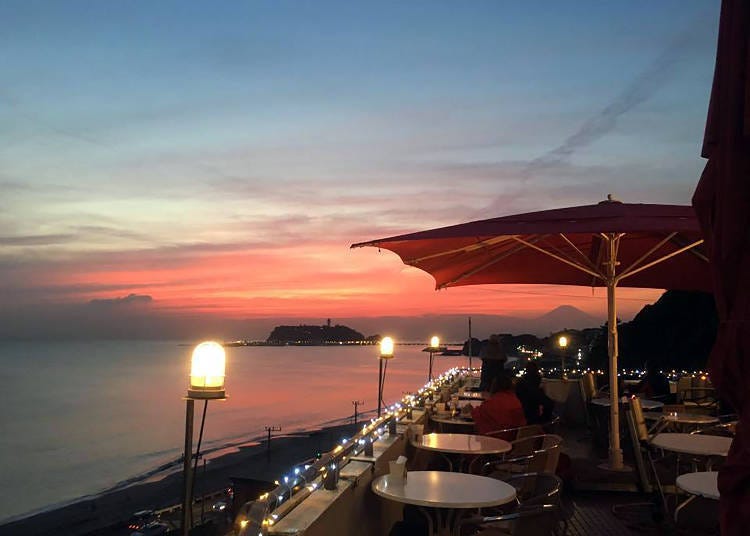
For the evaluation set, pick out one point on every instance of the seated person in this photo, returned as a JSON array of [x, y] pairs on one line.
[[537, 406], [493, 361], [654, 385], [502, 410]]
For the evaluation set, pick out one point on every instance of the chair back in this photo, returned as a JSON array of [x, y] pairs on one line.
[[684, 386], [543, 451], [673, 408], [536, 488], [529, 430], [588, 386], [519, 432], [639, 421]]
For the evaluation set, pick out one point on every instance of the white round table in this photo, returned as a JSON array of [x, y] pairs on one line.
[[681, 418], [645, 403], [457, 420], [461, 445], [442, 496], [700, 484], [679, 421], [696, 444]]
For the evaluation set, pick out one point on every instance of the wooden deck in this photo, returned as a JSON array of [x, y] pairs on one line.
[[597, 501]]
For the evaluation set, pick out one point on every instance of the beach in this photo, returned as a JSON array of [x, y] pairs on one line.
[[109, 512], [107, 415]]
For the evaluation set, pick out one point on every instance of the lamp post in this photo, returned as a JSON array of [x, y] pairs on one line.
[[434, 345], [563, 342], [207, 372], [386, 352]]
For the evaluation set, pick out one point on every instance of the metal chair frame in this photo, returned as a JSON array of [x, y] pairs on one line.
[[520, 514]]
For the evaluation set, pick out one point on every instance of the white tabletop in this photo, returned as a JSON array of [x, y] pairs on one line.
[[703, 483], [680, 417], [698, 444], [463, 444], [447, 419], [472, 395], [439, 489], [645, 403]]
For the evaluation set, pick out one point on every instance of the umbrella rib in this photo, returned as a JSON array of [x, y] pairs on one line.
[[694, 251], [657, 261], [561, 259], [464, 249], [581, 253], [492, 261], [646, 255]]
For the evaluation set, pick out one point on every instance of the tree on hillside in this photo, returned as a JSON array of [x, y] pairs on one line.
[[677, 332]]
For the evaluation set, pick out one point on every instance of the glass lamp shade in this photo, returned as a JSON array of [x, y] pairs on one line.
[[435, 342], [563, 341], [207, 371], [386, 348]]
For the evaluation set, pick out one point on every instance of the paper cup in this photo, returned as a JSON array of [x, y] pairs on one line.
[[398, 471]]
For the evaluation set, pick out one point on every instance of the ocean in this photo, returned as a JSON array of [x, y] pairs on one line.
[[81, 418]]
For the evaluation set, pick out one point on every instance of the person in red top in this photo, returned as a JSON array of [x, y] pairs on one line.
[[502, 410]]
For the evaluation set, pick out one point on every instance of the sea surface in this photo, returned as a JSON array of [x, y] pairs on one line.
[[81, 418]]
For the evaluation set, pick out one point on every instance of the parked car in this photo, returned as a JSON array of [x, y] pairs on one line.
[[155, 528], [140, 519]]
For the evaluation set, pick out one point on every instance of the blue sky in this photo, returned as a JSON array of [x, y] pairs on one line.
[[143, 137]]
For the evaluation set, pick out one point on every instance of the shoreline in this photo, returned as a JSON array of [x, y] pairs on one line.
[[108, 512]]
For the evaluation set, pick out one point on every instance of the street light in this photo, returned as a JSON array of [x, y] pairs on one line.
[[386, 353], [434, 345], [563, 342], [207, 373]]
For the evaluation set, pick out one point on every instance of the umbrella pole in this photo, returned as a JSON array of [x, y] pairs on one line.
[[615, 452]]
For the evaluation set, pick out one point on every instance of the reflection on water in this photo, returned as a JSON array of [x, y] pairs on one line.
[[81, 417]]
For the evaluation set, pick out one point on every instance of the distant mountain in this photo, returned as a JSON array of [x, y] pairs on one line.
[[455, 327], [566, 316]]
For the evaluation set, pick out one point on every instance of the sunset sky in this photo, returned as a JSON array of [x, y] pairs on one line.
[[183, 166]]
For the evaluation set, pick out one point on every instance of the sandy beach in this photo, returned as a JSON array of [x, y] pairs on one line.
[[109, 512]]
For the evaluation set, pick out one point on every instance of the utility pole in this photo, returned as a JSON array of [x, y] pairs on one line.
[[469, 342], [268, 430], [356, 404]]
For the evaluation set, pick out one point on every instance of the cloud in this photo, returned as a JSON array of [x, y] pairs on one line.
[[655, 76], [36, 240], [129, 300]]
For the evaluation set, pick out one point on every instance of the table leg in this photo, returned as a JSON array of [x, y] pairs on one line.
[[442, 521], [683, 505]]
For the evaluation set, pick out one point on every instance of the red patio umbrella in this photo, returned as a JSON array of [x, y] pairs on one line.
[[609, 244], [722, 202]]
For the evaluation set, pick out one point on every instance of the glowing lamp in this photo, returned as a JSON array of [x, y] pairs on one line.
[[435, 342], [207, 371], [562, 341], [386, 348]]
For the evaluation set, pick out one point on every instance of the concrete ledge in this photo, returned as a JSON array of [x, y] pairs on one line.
[[351, 508]]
